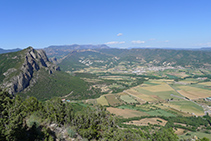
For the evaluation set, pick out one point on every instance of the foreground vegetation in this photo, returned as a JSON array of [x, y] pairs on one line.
[[30, 119]]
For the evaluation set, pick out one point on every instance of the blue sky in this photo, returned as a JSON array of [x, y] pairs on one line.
[[117, 23]]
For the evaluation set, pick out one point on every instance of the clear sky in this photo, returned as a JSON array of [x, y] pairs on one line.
[[117, 23]]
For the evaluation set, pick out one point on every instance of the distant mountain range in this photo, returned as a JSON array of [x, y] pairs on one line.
[[60, 51], [70, 60], [8, 50]]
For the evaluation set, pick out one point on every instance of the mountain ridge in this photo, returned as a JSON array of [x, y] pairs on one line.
[[17, 78], [8, 50], [62, 50]]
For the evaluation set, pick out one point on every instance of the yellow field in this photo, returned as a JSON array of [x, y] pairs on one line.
[[141, 96], [126, 113], [194, 93], [206, 83], [121, 93], [102, 101], [158, 88], [179, 131], [163, 80], [145, 121]]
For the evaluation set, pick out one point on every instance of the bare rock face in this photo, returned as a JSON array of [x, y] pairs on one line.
[[34, 60]]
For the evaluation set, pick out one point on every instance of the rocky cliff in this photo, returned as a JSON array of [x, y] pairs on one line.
[[16, 79]]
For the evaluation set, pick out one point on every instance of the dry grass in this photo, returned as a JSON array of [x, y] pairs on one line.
[[141, 96], [158, 88], [206, 83], [194, 93], [113, 100], [102, 100], [126, 113], [163, 80], [146, 121], [179, 131], [121, 93]]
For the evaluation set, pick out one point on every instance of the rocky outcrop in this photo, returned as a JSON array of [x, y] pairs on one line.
[[33, 61]]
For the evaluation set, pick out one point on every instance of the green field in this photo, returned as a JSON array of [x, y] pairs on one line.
[[148, 109], [128, 99], [198, 134], [160, 112], [102, 101], [113, 100], [150, 83], [163, 95], [187, 106]]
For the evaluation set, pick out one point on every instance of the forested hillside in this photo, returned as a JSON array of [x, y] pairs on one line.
[[30, 119], [111, 57]]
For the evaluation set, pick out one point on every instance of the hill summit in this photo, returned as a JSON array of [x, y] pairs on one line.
[[18, 68]]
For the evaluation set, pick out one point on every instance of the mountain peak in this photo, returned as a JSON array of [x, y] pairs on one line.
[[20, 68]]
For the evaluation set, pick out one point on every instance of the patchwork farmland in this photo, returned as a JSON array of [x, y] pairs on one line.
[[162, 97]]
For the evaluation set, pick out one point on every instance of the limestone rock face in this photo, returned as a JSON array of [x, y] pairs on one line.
[[34, 60]]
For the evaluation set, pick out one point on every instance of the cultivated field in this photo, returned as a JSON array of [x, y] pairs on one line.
[[128, 99], [186, 106], [153, 91], [193, 92], [142, 96], [206, 83], [158, 88], [103, 101], [179, 131], [164, 100], [146, 121], [160, 112], [113, 100]]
